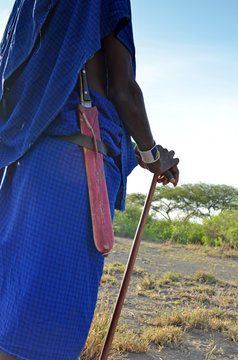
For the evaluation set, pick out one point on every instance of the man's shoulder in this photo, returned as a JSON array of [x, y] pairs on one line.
[[21, 32]]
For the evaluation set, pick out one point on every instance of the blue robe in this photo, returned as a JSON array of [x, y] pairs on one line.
[[49, 266]]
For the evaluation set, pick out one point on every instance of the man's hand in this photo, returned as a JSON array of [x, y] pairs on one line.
[[171, 175], [165, 166]]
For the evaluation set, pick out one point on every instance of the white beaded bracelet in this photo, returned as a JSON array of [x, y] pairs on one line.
[[149, 156]]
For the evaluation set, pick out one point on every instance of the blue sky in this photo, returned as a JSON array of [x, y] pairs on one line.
[[187, 67]]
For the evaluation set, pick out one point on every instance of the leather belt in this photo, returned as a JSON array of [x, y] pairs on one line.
[[86, 141]]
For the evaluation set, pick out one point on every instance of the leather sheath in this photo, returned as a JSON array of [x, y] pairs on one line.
[[98, 196]]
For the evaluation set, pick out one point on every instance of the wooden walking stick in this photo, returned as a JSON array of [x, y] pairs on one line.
[[128, 271]]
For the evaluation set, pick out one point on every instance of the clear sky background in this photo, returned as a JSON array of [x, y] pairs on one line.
[[187, 67]]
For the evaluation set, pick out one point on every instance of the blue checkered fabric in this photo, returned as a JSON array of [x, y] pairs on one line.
[[49, 266], [112, 131], [45, 44]]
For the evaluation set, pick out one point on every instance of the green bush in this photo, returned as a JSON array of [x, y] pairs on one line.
[[158, 230], [125, 223], [186, 232], [221, 230]]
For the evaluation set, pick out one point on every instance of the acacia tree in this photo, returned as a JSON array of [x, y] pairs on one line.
[[135, 199], [195, 200], [189, 200]]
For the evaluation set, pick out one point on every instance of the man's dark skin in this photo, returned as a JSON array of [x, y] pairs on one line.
[[124, 92], [113, 61]]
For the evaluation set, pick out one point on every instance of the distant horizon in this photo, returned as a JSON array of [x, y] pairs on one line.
[[187, 67]]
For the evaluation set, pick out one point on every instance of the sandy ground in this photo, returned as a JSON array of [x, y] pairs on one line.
[[157, 259]]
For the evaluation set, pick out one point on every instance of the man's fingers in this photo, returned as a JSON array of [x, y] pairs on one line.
[[160, 179], [176, 175], [175, 162], [175, 171], [169, 177], [161, 148]]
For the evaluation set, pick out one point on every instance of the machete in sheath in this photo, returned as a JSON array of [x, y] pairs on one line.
[[98, 196]]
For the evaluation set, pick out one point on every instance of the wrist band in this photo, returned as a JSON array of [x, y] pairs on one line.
[[149, 156]]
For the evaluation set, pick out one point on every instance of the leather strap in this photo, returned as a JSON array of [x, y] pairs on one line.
[[86, 141]]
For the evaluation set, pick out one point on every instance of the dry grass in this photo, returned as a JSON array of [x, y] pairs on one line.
[[138, 270], [205, 277], [114, 267], [168, 277], [118, 267], [98, 330], [183, 308], [129, 341], [171, 306], [163, 336], [107, 278], [204, 319], [204, 289], [110, 270], [124, 340], [203, 250], [151, 282]]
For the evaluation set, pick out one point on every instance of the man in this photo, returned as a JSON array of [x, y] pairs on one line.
[[49, 266]]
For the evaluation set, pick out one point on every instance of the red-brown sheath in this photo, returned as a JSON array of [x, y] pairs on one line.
[[98, 197]]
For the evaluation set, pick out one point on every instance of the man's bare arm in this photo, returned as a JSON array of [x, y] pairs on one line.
[[127, 97], [125, 93]]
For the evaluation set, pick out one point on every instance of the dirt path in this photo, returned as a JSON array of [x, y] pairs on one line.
[[186, 293]]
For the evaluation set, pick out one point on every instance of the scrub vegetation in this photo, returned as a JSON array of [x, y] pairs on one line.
[[188, 214], [180, 299]]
